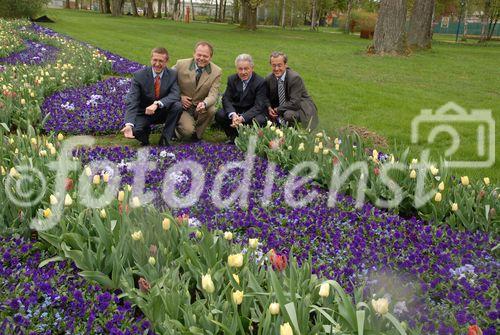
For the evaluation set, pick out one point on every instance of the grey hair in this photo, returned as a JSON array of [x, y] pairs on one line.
[[243, 58], [276, 54]]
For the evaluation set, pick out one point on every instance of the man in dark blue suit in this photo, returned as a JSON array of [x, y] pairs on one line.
[[154, 98], [244, 100]]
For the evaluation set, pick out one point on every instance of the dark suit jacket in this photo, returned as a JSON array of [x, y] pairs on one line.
[[248, 103], [142, 92], [297, 98]]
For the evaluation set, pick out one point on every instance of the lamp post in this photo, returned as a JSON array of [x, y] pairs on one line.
[[462, 5]]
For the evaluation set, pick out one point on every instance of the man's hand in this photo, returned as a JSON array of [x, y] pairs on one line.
[[150, 110], [201, 107], [273, 113], [127, 132], [237, 120], [186, 102]]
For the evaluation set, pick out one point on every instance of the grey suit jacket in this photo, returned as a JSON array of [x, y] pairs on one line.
[[142, 92], [297, 98]]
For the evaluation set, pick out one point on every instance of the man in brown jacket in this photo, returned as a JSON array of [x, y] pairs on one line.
[[199, 82]]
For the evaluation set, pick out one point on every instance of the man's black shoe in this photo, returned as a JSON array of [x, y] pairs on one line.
[[163, 142]]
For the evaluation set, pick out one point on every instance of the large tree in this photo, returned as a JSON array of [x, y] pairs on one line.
[[151, 13], [389, 37], [249, 19], [116, 7], [420, 32], [134, 8]]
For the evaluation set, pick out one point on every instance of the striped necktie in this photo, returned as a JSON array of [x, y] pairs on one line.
[[281, 92], [244, 84]]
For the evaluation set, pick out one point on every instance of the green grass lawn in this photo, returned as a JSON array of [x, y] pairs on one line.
[[349, 87]]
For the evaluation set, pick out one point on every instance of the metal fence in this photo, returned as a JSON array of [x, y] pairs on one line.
[[472, 29]]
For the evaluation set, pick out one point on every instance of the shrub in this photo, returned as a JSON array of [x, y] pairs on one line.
[[21, 8]]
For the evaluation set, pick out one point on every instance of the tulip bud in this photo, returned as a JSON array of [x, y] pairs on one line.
[[43, 153], [486, 181], [67, 200], [13, 173], [207, 284], [135, 202], [253, 243], [337, 147], [33, 141], [441, 186], [198, 234], [235, 261], [23, 102], [324, 290], [4, 172], [137, 235], [236, 278], [381, 306], [88, 171], [105, 177], [320, 135], [60, 136], [166, 224], [53, 199], [53, 151], [325, 151], [274, 308], [375, 155], [286, 329], [121, 196], [228, 235], [47, 213], [454, 207], [238, 297], [464, 180], [97, 179], [301, 147], [316, 149], [320, 145], [152, 261], [414, 161], [438, 197], [102, 213], [413, 174]]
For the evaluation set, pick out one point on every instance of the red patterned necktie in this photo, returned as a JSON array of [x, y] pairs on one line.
[[157, 87]]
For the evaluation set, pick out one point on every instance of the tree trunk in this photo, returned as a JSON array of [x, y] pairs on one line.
[[491, 28], [107, 6], [236, 11], [151, 13], [252, 18], [291, 15], [216, 11], [419, 34], [464, 35], [347, 25], [224, 11], [159, 9], [313, 15], [283, 14], [484, 20], [176, 15], [244, 13], [134, 8], [389, 37], [66, 4], [116, 8], [101, 6], [220, 11]]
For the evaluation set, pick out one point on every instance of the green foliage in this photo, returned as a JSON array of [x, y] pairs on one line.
[[21, 8]]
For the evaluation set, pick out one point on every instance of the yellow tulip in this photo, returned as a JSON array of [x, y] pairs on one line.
[[286, 329], [228, 235], [121, 196], [274, 308], [253, 243], [152, 261], [105, 177], [135, 202], [60, 136], [486, 181], [324, 290], [441, 186], [238, 297], [236, 278], [137, 235], [413, 174], [454, 207], [438, 197], [97, 179], [166, 224], [53, 199], [47, 213], [67, 200], [235, 261], [464, 180], [207, 284], [301, 147], [102, 213], [381, 306]]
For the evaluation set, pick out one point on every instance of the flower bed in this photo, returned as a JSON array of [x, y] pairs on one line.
[[445, 278], [95, 109], [54, 297], [34, 54]]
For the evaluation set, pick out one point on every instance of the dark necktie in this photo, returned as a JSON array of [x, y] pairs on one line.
[[198, 75], [281, 92], [245, 83], [157, 87]]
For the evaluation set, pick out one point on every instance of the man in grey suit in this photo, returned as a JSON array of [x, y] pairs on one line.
[[288, 100], [153, 98]]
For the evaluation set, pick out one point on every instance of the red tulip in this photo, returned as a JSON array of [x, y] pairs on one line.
[[68, 184], [144, 285], [475, 330], [376, 171], [279, 262]]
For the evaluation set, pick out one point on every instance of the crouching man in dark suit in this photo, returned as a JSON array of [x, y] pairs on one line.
[[244, 100], [154, 98], [289, 102]]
